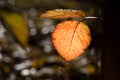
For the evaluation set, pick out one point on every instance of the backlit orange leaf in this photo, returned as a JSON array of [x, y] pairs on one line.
[[71, 38], [63, 13]]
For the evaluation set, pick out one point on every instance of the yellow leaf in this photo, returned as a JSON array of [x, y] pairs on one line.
[[71, 38], [17, 25], [90, 69]]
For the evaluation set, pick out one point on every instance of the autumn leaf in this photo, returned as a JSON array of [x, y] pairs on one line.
[[17, 25], [71, 38], [62, 13]]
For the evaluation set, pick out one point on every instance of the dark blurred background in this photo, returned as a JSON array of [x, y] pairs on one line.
[[26, 50]]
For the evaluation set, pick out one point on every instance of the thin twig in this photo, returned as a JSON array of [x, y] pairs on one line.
[[93, 17], [67, 75]]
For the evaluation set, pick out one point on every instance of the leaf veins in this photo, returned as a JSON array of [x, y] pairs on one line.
[[71, 38]]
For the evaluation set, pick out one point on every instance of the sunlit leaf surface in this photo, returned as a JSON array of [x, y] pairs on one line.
[[71, 38], [63, 13]]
